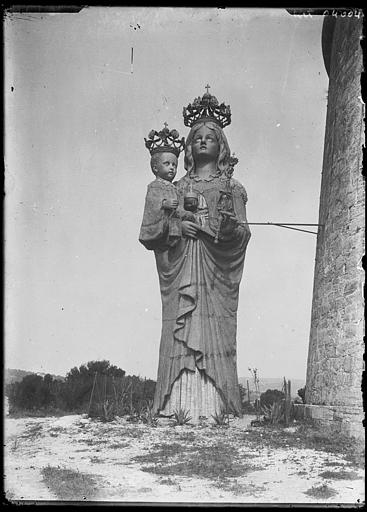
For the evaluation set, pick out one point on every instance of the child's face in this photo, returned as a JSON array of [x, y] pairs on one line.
[[166, 166]]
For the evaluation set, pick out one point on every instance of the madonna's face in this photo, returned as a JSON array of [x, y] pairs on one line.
[[205, 145]]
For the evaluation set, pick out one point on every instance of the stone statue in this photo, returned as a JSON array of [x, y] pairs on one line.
[[200, 272]]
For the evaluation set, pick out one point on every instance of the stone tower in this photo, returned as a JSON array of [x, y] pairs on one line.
[[335, 358]]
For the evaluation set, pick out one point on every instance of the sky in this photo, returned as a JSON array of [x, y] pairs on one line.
[[78, 284]]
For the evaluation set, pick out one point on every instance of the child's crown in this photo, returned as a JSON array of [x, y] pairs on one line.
[[166, 141], [207, 108]]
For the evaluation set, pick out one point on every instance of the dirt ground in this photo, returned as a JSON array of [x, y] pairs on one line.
[[177, 464]]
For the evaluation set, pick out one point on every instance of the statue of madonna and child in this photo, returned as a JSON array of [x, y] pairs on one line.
[[198, 230]]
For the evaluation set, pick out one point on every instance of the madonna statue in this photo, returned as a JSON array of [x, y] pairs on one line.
[[200, 274]]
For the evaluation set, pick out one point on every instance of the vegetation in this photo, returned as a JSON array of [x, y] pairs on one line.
[[97, 388], [91, 384], [181, 416], [273, 413], [270, 397], [247, 406], [340, 475], [276, 406], [217, 462], [36, 392], [302, 394], [255, 376], [69, 485], [321, 492], [16, 375], [221, 419], [143, 412], [308, 436]]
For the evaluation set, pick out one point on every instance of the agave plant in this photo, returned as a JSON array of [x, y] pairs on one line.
[[181, 416], [274, 413], [221, 419], [148, 416], [108, 411]]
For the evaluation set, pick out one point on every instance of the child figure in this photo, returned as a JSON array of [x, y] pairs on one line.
[[161, 225]]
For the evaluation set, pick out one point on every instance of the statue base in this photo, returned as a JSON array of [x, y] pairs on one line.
[[194, 392]]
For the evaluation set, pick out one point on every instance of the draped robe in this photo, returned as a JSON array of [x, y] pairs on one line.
[[199, 283], [160, 229]]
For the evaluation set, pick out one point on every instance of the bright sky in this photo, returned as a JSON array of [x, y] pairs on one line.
[[79, 285]]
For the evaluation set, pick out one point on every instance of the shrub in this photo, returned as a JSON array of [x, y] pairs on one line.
[[270, 397], [302, 393]]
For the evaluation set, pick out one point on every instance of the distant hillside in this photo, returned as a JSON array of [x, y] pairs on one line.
[[15, 375], [272, 383]]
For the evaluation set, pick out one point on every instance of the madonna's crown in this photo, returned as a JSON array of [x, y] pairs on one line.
[[207, 108], [165, 141]]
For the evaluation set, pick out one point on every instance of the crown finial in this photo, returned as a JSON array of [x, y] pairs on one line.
[[207, 108], [165, 141]]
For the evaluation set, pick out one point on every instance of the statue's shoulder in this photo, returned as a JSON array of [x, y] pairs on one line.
[[160, 184], [152, 184], [239, 188]]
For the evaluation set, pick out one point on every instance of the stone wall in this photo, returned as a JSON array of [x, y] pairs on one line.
[[335, 359], [340, 419]]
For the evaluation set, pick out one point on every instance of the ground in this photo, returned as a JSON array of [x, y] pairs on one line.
[[76, 458]]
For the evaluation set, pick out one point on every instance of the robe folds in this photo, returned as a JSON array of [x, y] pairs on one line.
[[199, 283]]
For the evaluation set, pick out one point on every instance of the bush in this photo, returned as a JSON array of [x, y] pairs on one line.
[[270, 397], [302, 393]]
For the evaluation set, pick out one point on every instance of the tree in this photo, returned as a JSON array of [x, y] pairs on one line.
[[94, 378], [32, 392]]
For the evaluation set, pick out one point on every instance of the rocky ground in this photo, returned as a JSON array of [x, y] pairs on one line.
[[75, 458]]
